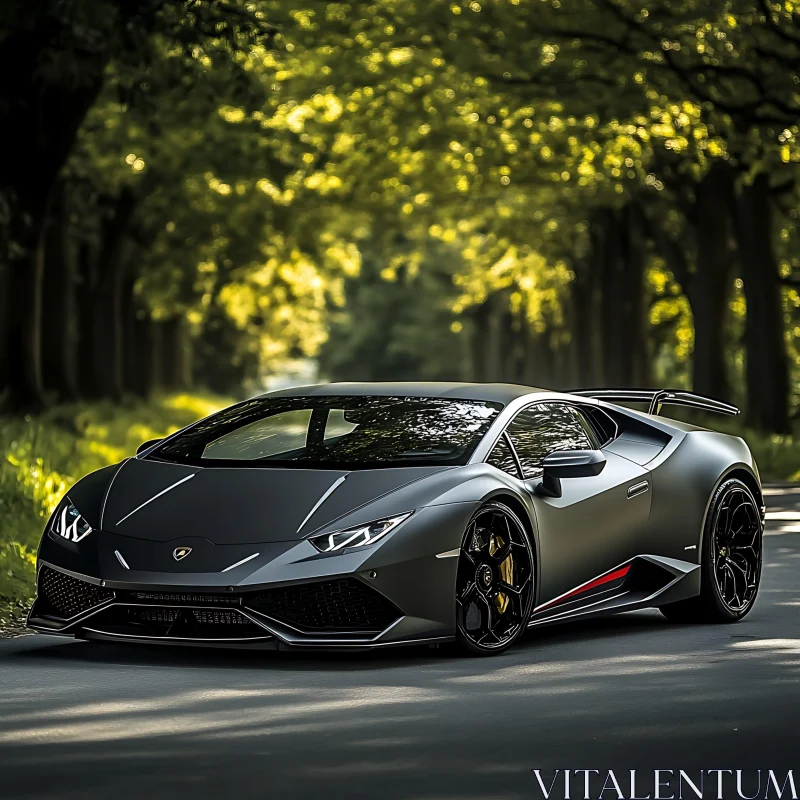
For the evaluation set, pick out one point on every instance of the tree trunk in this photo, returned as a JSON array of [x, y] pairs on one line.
[[109, 328], [24, 338], [40, 122], [710, 287], [584, 325], [531, 374], [494, 339], [155, 355], [633, 321], [60, 322], [86, 268], [767, 369], [174, 354], [620, 265], [478, 343], [108, 323], [136, 378]]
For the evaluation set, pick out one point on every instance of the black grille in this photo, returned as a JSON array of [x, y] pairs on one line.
[[214, 617], [183, 598], [187, 616], [213, 624], [345, 604], [163, 616], [67, 596]]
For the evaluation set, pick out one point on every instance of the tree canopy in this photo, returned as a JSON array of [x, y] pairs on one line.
[[554, 192]]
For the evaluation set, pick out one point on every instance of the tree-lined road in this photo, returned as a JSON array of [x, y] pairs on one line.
[[81, 719]]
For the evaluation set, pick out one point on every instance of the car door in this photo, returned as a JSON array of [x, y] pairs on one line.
[[597, 523]]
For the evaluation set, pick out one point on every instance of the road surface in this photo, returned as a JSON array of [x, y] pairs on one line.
[[82, 720]]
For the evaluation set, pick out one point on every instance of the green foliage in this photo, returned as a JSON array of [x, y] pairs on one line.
[[397, 322], [44, 455]]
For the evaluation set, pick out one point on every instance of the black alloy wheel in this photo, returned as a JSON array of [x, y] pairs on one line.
[[494, 584], [736, 549], [731, 559]]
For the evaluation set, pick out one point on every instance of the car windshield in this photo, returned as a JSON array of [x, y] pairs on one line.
[[335, 433]]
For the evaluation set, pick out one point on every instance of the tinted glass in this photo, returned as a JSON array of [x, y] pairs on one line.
[[588, 428], [542, 429], [279, 433], [335, 433], [502, 458]]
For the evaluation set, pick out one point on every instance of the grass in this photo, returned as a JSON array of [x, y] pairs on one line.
[[44, 455]]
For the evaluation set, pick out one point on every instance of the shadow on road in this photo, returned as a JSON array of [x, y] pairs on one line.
[[631, 691], [179, 657]]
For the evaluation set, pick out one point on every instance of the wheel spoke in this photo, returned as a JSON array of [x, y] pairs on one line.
[[505, 527], [467, 594], [724, 518], [737, 549], [501, 555], [488, 582], [738, 568], [514, 603], [468, 556], [515, 590], [489, 610], [735, 578]]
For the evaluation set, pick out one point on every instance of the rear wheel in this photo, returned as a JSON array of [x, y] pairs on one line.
[[731, 559], [494, 585]]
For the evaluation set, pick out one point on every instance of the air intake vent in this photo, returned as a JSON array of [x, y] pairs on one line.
[[184, 598], [67, 596], [341, 605]]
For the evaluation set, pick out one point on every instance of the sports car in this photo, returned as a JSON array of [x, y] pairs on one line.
[[371, 515]]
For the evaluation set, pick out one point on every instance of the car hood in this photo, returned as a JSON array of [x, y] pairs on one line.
[[158, 501]]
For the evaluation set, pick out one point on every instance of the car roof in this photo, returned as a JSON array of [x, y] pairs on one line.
[[490, 392]]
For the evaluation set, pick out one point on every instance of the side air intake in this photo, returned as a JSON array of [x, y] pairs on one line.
[[343, 605], [66, 596]]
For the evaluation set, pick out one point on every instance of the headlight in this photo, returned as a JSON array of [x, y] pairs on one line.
[[360, 536], [69, 523]]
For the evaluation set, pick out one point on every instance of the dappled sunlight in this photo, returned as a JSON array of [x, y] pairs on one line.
[[195, 405], [775, 646], [628, 665], [194, 713], [632, 684]]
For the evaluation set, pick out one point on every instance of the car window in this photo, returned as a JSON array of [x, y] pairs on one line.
[[267, 437], [335, 432], [502, 458], [542, 429], [337, 425], [588, 428]]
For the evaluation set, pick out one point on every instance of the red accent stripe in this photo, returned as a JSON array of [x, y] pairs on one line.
[[612, 576]]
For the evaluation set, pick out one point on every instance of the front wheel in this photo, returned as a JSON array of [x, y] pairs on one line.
[[494, 584], [731, 559]]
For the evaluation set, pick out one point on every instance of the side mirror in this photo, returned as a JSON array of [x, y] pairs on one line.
[[568, 464], [146, 445]]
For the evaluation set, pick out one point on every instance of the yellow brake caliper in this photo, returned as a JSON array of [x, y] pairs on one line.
[[506, 571]]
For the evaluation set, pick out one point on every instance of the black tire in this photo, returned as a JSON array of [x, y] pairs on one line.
[[494, 584], [731, 557]]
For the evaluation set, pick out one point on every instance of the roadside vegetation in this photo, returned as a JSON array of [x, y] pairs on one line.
[[44, 455]]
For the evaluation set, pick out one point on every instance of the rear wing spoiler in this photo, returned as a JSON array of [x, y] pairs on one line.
[[656, 398]]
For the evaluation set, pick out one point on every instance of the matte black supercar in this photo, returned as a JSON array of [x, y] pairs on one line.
[[369, 515]]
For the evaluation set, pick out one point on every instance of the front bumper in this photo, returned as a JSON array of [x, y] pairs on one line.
[[399, 592]]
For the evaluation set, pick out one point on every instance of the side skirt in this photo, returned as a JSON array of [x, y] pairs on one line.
[[643, 582]]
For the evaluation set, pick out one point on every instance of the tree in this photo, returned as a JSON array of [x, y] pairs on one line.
[[54, 61]]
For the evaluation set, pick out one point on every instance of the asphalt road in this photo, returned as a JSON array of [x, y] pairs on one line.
[[82, 720]]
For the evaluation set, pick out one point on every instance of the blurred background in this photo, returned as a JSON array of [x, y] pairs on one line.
[[201, 200]]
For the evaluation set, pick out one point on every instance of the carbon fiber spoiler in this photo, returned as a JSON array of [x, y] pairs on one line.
[[659, 397]]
